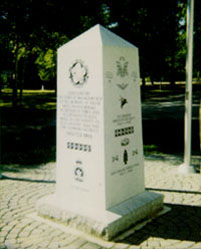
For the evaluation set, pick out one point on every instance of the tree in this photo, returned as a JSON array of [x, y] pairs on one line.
[[197, 40], [37, 28], [156, 28], [15, 23], [46, 60]]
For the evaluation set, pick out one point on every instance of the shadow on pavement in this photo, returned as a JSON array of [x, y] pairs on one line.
[[174, 191], [181, 223], [4, 177]]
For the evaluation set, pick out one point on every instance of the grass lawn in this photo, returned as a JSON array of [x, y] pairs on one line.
[[28, 133]]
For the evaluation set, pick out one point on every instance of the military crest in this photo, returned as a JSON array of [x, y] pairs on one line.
[[122, 67]]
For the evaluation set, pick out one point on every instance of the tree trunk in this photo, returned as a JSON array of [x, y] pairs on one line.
[[16, 79], [1, 86], [143, 81], [173, 52], [200, 123], [172, 74], [14, 95], [152, 81], [21, 83]]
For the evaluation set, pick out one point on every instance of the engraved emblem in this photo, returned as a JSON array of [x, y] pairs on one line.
[[78, 73], [123, 101], [122, 86], [125, 142], [125, 157], [79, 171], [79, 174], [122, 67], [134, 152], [115, 158]]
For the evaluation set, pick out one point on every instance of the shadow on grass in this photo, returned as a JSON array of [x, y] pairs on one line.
[[28, 146], [182, 223], [167, 136], [28, 132]]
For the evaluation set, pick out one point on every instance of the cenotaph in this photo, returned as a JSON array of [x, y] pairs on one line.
[[99, 173]]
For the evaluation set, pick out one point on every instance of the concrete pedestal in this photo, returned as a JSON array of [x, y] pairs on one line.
[[104, 224]]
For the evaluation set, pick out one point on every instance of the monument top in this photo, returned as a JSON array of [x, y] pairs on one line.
[[97, 36]]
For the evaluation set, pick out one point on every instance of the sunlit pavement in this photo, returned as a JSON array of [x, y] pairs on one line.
[[178, 228]]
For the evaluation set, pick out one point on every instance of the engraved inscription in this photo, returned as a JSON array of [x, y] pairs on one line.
[[125, 170], [123, 119], [80, 114]]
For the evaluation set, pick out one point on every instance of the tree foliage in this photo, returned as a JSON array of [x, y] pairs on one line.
[[197, 39], [31, 32], [156, 28]]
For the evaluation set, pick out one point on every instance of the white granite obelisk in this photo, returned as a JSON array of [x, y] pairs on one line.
[[100, 173]]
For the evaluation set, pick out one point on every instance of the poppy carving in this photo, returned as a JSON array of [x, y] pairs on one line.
[[78, 73]]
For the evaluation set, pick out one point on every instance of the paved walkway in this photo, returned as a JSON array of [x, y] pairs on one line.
[[179, 228]]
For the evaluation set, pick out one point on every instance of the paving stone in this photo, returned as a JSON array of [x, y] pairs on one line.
[[77, 244], [144, 243], [24, 233], [2, 239], [35, 239], [168, 242], [146, 247], [152, 243], [34, 247], [53, 245], [91, 246], [11, 244], [11, 236], [196, 246], [133, 247], [68, 240], [2, 246], [120, 246], [185, 244], [181, 226]]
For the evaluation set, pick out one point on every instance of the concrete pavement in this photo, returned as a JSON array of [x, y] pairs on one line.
[[20, 228]]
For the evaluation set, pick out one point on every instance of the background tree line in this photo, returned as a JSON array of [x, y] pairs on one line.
[[32, 30]]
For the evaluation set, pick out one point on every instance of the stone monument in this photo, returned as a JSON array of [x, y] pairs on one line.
[[100, 173]]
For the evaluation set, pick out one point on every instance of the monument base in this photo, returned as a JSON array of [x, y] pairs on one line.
[[186, 169], [105, 224]]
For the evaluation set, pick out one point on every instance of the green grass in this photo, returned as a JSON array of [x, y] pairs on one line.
[[151, 149], [32, 99]]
